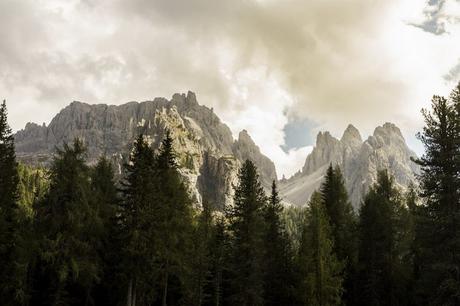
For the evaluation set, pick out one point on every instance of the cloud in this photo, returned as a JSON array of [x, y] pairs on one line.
[[254, 61]]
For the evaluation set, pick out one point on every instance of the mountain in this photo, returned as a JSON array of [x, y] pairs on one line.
[[208, 154], [360, 161]]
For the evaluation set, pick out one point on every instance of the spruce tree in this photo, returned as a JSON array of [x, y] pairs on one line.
[[199, 259], [320, 270], [219, 251], [105, 196], [278, 261], [343, 226], [174, 222], [246, 229], [437, 229], [67, 224], [137, 216], [13, 226], [383, 274]]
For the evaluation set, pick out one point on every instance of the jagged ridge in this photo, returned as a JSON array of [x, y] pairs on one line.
[[207, 152], [360, 161]]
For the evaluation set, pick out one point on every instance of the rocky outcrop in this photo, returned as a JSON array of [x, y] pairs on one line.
[[208, 154], [360, 161]]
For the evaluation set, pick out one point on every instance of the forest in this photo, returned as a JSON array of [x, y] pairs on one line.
[[75, 234]]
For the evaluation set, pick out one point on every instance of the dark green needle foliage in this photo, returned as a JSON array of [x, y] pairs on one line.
[[69, 230], [437, 229], [246, 230], [13, 222], [137, 221], [278, 255], [343, 226], [384, 275], [320, 282]]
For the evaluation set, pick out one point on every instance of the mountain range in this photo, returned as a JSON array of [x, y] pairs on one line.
[[207, 152]]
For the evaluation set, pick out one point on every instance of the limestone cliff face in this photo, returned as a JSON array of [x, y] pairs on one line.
[[208, 154], [360, 161]]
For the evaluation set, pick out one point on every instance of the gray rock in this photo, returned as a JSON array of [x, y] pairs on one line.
[[208, 154], [360, 161]]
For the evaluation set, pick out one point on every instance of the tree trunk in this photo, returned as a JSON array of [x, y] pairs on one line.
[[165, 285], [218, 289], [134, 294], [129, 299]]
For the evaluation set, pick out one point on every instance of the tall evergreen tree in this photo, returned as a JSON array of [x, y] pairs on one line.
[[199, 260], [105, 197], [382, 272], [343, 226], [12, 223], [278, 269], [174, 221], [438, 230], [320, 270], [67, 223], [138, 228], [246, 228]]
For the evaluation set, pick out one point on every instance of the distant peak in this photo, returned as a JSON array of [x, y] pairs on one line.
[[388, 129], [244, 137], [191, 97], [324, 138], [351, 135]]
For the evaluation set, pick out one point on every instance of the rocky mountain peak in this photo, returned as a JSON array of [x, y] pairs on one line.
[[351, 136], [207, 152], [325, 139], [360, 161], [243, 137], [388, 135]]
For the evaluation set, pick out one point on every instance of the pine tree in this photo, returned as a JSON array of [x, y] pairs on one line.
[[246, 229], [138, 225], [174, 221], [383, 275], [343, 226], [277, 265], [437, 229], [320, 270], [68, 227], [199, 260], [13, 226], [219, 250], [105, 196]]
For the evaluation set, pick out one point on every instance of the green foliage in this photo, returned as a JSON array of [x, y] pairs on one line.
[[320, 270], [174, 217], [33, 185], [246, 229], [278, 263], [69, 228], [199, 276], [137, 221], [437, 230], [292, 218], [156, 225], [105, 197], [343, 226], [383, 273], [12, 220]]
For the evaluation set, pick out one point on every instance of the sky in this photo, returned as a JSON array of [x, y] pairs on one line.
[[281, 69]]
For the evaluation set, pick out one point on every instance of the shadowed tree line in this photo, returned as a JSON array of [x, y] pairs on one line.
[[74, 235]]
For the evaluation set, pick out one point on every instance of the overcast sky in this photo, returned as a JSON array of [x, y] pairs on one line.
[[282, 69]]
